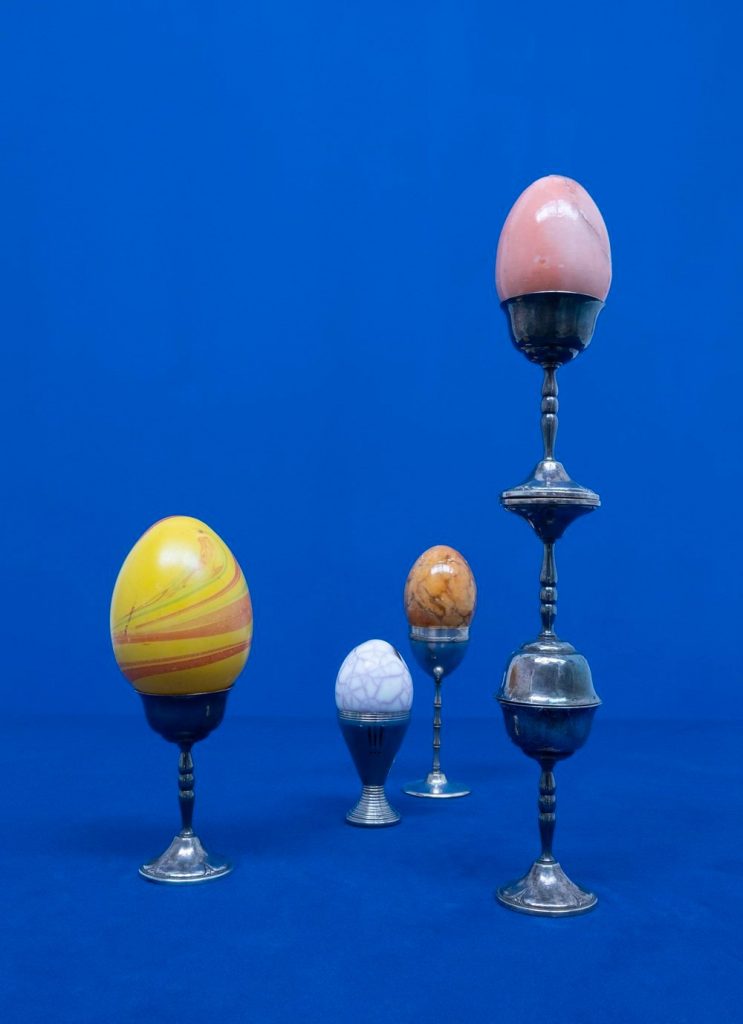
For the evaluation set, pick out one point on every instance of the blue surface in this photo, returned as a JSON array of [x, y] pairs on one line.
[[246, 270], [323, 922]]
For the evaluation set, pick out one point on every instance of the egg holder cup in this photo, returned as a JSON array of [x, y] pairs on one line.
[[373, 739], [547, 695], [438, 652], [185, 720]]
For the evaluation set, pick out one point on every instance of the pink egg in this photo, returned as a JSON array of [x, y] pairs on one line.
[[554, 239]]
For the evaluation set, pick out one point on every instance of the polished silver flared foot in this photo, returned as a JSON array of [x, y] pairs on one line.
[[185, 860], [548, 891], [436, 785], [373, 809]]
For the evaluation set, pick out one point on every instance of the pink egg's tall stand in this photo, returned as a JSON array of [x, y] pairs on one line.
[[547, 694]]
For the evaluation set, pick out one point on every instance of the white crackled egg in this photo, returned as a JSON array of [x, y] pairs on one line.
[[374, 678]]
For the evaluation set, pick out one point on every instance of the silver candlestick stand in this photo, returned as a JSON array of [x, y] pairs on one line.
[[185, 720], [438, 652], [547, 695]]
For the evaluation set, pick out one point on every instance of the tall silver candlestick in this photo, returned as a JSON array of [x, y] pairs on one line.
[[547, 694]]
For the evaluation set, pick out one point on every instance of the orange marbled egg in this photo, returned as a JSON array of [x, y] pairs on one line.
[[440, 591]]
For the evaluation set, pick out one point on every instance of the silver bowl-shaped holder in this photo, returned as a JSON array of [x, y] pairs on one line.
[[373, 739], [438, 652], [547, 695], [184, 720]]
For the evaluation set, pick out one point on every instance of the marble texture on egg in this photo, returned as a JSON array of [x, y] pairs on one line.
[[440, 591], [554, 239], [374, 678]]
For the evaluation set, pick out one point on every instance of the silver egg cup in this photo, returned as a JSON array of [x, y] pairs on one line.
[[547, 695], [438, 652], [184, 720], [373, 739]]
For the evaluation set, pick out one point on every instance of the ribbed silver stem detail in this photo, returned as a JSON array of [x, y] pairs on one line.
[[373, 717], [373, 808]]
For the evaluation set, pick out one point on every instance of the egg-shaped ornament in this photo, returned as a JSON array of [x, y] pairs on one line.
[[374, 679], [373, 695], [181, 616], [440, 591], [554, 240]]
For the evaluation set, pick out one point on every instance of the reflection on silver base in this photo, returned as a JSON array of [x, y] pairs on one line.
[[548, 891], [184, 861], [437, 785], [373, 809]]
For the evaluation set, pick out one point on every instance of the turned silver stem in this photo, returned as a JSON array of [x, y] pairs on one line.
[[438, 675], [547, 815], [550, 406], [186, 789], [373, 808], [548, 590]]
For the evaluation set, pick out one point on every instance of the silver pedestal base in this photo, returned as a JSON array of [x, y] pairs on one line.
[[373, 809], [548, 891], [436, 785], [185, 861]]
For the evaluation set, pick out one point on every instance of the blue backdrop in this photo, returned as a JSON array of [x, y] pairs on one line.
[[246, 265], [247, 273]]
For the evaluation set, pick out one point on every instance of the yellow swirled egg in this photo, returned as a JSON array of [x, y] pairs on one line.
[[181, 617]]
